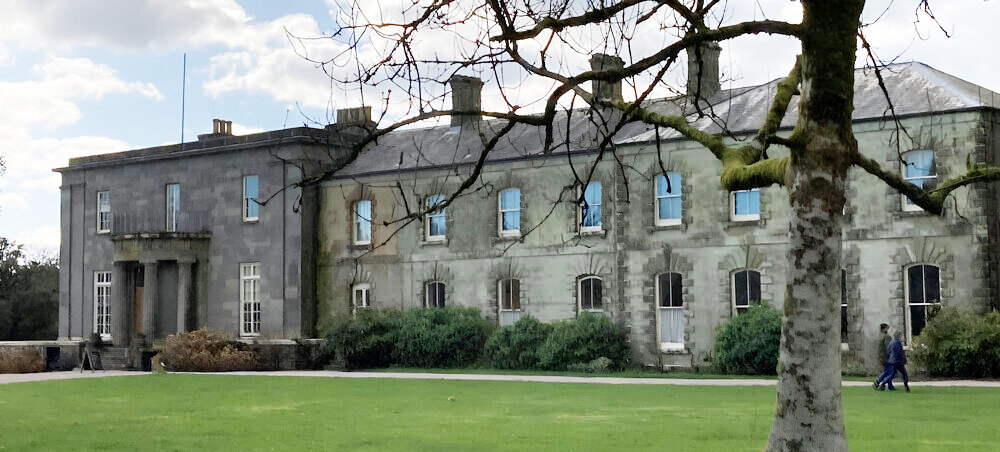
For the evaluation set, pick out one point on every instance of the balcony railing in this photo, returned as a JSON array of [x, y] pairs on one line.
[[125, 222]]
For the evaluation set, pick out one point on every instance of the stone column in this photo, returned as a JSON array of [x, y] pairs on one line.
[[149, 300], [119, 312], [183, 292]]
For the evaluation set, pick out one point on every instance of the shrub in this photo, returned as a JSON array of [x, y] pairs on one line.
[[601, 364], [956, 343], [582, 340], [516, 346], [206, 350], [749, 342], [365, 340], [441, 337], [20, 361]]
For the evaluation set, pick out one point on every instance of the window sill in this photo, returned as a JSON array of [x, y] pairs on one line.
[[361, 246], [108, 232], [913, 213], [667, 227], [601, 233], [508, 237], [759, 222], [434, 242], [251, 220], [671, 348]]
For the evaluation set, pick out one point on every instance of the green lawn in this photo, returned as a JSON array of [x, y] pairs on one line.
[[185, 412]]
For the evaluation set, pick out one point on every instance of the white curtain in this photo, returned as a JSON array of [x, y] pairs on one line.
[[672, 325]]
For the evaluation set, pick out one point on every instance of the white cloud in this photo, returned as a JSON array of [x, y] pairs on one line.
[[240, 129], [12, 200], [42, 239], [49, 100]]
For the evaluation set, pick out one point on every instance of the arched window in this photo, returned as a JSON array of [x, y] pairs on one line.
[[746, 290], [510, 212], [434, 294], [509, 297], [590, 291], [668, 199], [670, 310], [919, 168], [923, 289]]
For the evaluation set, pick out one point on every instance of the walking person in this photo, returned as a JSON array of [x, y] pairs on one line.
[[897, 359], [883, 356]]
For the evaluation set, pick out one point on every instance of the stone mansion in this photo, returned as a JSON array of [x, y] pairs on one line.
[[212, 233]]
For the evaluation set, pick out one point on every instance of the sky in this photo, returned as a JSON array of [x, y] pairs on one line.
[[97, 76]]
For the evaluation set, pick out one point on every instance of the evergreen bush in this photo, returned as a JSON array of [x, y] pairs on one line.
[[582, 340], [956, 343], [516, 346], [451, 336], [365, 340], [749, 343]]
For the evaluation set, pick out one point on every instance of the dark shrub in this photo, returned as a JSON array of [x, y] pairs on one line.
[[363, 341], [962, 344], [516, 346], [581, 341], [451, 336], [749, 342], [20, 361], [207, 350]]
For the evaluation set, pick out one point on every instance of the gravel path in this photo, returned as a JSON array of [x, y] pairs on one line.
[[17, 378]]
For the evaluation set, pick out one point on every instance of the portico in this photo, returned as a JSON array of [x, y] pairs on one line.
[[158, 293]]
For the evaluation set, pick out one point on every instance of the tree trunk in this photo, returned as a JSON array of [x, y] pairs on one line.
[[809, 416]]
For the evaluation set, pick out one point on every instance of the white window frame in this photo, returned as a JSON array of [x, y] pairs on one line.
[[659, 320], [906, 288], [906, 204], [250, 305], [103, 216], [365, 298], [579, 294], [500, 301], [173, 209], [427, 294], [440, 213], [248, 199], [360, 221], [732, 285], [743, 217], [508, 232], [102, 304], [579, 211], [656, 200]]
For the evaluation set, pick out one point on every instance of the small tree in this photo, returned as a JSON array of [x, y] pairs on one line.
[[748, 343]]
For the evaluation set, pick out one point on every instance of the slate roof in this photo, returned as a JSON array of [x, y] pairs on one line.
[[914, 88]]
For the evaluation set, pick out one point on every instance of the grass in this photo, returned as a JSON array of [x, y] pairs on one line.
[[627, 373], [210, 412]]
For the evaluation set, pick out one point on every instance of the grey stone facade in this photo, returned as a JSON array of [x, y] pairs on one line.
[[165, 281], [310, 262]]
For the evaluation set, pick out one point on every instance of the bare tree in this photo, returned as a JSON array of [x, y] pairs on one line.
[[529, 38]]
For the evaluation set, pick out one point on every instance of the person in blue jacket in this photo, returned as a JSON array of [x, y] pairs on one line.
[[897, 359], [883, 355]]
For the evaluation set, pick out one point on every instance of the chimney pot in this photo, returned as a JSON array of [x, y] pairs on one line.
[[466, 98], [703, 78], [604, 89]]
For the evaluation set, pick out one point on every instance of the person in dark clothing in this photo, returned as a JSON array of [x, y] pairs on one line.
[[883, 356], [897, 359]]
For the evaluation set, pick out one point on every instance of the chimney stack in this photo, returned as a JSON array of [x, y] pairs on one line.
[[222, 127], [603, 89], [466, 97], [703, 70], [357, 116]]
